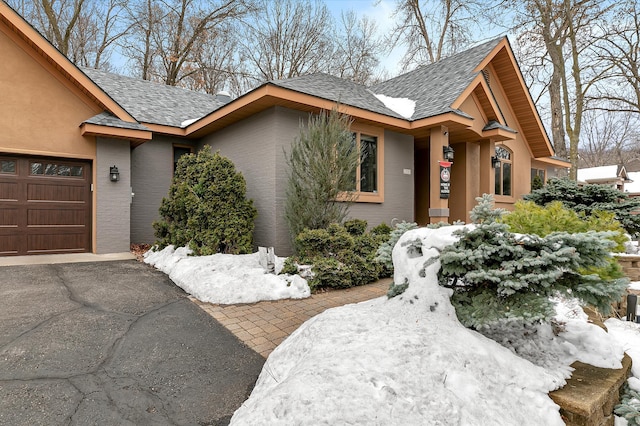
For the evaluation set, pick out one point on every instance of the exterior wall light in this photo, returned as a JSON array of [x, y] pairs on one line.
[[495, 162], [447, 153], [114, 174]]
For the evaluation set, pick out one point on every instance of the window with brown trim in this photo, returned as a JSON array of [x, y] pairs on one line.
[[368, 179], [539, 173], [504, 172]]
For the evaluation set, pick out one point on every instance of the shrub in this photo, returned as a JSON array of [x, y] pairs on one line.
[[590, 199], [321, 166], [496, 274], [207, 208], [341, 256], [530, 218], [383, 253], [356, 227]]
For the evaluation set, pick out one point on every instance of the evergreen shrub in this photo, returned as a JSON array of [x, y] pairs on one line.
[[341, 256], [383, 253], [530, 218], [207, 208], [496, 274], [590, 199], [321, 170]]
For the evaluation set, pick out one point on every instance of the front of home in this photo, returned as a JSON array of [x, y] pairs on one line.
[[86, 156]]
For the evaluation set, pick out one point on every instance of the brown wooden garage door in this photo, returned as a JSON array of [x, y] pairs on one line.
[[45, 206]]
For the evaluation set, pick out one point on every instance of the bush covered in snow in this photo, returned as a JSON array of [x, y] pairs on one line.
[[207, 208], [341, 256], [496, 274]]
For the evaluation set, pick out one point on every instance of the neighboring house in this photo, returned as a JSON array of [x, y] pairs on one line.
[[632, 186], [615, 176], [65, 128]]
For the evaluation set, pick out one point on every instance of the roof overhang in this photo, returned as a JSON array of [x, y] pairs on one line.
[[137, 137], [506, 68]]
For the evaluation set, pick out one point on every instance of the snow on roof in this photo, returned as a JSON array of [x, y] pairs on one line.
[[595, 173], [633, 187], [403, 106]]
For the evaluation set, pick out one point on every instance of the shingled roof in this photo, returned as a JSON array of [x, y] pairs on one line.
[[436, 86], [154, 103], [336, 89], [433, 88]]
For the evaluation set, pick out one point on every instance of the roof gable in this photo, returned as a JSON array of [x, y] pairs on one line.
[[155, 103], [59, 62], [436, 87]]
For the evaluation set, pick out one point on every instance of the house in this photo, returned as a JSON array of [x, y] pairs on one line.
[[614, 175], [86, 156]]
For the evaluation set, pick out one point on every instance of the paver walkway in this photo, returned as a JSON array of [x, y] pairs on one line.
[[264, 325]]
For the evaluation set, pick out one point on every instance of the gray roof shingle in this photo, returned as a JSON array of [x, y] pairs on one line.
[[433, 87], [436, 86], [336, 89], [109, 120], [151, 102]]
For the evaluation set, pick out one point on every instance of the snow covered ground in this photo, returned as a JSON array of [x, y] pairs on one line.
[[226, 278], [407, 360]]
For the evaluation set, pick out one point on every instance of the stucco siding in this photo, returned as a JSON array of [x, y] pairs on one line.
[[250, 144], [40, 111], [398, 186], [152, 171], [113, 198]]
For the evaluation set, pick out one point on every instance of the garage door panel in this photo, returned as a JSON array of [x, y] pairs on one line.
[[8, 217], [40, 243], [9, 191], [45, 206], [55, 192], [56, 217], [9, 244]]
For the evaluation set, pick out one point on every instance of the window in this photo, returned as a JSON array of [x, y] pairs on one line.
[[54, 169], [179, 151], [368, 178], [537, 173], [503, 172], [8, 167]]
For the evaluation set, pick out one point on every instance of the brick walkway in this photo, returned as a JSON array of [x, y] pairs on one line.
[[264, 325]]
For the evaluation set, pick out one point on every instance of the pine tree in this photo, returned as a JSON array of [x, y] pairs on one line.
[[496, 274], [322, 164]]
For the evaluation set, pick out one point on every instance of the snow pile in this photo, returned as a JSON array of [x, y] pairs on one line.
[[401, 106], [186, 123], [628, 334], [226, 278], [406, 360]]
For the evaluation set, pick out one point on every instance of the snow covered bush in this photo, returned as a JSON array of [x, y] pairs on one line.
[[341, 256], [383, 254], [207, 208], [589, 199], [496, 274]]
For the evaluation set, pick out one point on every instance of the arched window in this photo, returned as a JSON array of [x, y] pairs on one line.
[[503, 172]]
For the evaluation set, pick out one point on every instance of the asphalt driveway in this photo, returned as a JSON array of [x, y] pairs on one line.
[[114, 343]]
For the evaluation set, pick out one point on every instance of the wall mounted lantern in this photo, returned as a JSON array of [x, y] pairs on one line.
[[114, 174], [495, 162], [447, 153]]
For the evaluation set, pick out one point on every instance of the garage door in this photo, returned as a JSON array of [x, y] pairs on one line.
[[45, 206]]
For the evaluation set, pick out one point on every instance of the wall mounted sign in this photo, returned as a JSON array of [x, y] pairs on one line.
[[445, 179]]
